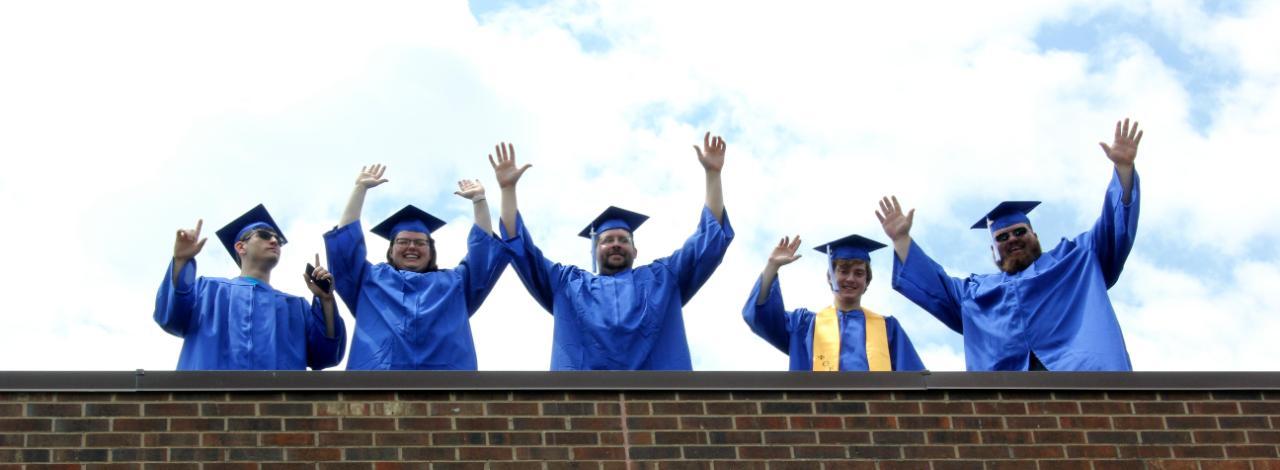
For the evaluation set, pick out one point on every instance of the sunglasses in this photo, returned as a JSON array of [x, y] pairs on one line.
[[262, 233], [1016, 233]]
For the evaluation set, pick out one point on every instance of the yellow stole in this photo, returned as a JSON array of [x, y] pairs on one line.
[[826, 341]]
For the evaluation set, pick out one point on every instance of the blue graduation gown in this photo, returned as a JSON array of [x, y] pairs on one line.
[[409, 320], [1057, 308], [243, 324], [631, 320], [792, 333]]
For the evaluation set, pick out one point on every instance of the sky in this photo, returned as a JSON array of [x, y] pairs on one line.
[[123, 122]]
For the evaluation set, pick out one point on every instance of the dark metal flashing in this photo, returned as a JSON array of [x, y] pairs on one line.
[[166, 381]]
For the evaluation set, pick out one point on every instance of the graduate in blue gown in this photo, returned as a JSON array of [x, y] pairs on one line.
[[1043, 311], [624, 317], [842, 337], [410, 314], [243, 322]]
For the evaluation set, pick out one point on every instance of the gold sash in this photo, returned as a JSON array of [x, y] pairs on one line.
[[826, 341]]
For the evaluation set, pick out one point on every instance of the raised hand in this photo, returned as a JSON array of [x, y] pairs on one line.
[[504, 167], [322, 274], [785, 252], [896, 225], [1124, 149], [188, 243], [711, 154], [371, 176], [470, 190]]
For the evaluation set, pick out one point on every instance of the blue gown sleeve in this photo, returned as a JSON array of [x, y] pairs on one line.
[[539, 275], [176, 299], [323, 351], [769, 320], [904, 353], [485, 261], [925, 283], [348, 262], [1113, 234], [694, 262]]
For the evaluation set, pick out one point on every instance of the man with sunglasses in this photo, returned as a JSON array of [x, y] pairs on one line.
[[243, 322], [410, 314], [1043, 311]]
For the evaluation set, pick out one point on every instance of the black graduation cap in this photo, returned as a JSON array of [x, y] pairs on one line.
[[409, 218], [256, 218]]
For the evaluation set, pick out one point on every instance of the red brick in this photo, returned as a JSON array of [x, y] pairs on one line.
[[983, 452], [734, 437], [1053, 408], [1065, 465], [702, 422], [1212, 452], [679, 437], [550, 424], [958, 465], [977, 422], [171, 439], [1145, 451], [286, 466], [255, 424], [1223, 465], [1006, 437], [786, 408], [1191, 422], [1059, 437], [894, 408], [311, 424], [313, 454], [458, 439], [542, 453], [26, 424], [55, 440], [678, 408], [482, 424], [197, 424], [568, 409], [1261, 437], [875, 452], [81, 425], [599, 453], [288, 439], [653, 423], [113, 440], [368, 424], [870, 422], [1138, 422], [1112, 437], [515, 438], [712, 452], [424, 424], [952, 437], [1092, 451], [1261, 408], [790, 437], [171, 409], [924, 422], [1000, 408], [457, 409], [1037, 452], [485, 452], [763, 452], [897, 437], [947, 408], [816, 422], [595, 424], [347, 466], [844, 437], [1106, 408], [928, 452], [55, 410], [634, 408], [139, 424], [511, 409], [732, 408], [111, 409], [286, 409], [1243, 422], [229, 440], [429, 453], [1159, 408], [1084, 422], [81, 455], [571, 438], [345, 439], [1031, 422], [1213, 408], [1252, 452]]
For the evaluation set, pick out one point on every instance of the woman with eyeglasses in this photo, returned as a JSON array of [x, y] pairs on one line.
[[410, 314]]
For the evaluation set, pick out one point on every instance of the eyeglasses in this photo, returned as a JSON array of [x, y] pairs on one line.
[[1016, 233], [404, 242], [262, 233]]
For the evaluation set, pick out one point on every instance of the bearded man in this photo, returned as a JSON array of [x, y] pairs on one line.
[[1044, 310]]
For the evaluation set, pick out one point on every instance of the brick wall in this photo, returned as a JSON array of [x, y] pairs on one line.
[[646, 429]]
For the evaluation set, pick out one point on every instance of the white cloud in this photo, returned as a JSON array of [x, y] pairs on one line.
[[123, 123]]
